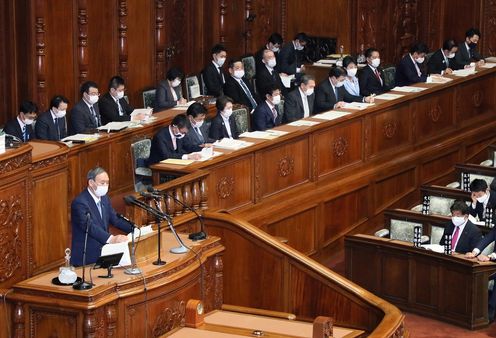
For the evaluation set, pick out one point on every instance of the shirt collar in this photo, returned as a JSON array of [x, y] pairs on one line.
[[95, 198], [53, 115], [21, 123], [226, 119], [271, 106], [171, 133]]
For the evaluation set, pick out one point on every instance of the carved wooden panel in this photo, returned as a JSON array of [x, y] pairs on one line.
[[372, 25], [434, 115], [393, 187], [431, 169], [404, 27], [231, 184], [41, 53], [299, 230], [123, 46], [281, 167], [7, 57], [395, 277], [267, 18], [82, 21], [390, 129], [342, 214], [426, 281], [475, 100], [339, 147], [489, 27], [56, 324], [121, 169], [459, 16]]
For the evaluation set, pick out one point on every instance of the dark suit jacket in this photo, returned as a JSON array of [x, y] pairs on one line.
[[289, 59], [369, 83], [259, 57], [213, 80], [325, 98], [109, 110], [81, 118], [234, 90], [164, 98], [293, 106], [47, 130], [406, 73], [98, 233], [218, 130], [265, 79], [192, 141], [479, 207], [437, 63], [12, 127], [467, 240], [263, 118], [462, 57], [486, 240], [162, 147]]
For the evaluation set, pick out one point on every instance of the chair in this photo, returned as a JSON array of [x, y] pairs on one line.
[[203, 87], [149, 98], [427, 57], [242, 118], [467, 178], [140, 151], [487, 163], [403, 230], [192, 87], [436, 234], [453, 185], [389, 74], [439, 205], [250, 68]]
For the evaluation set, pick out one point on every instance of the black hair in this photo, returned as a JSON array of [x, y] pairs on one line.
[[461, 206], [478, 185], [268, 90], [180, 121], [94, 172], [115, 82], [419, 47], [85, 87], [28, 107], [448, 44], [471, 32], [302, 37], [218, 48], [369, 51], [347, 60], [57, 99], [304, 78], [276, 38], [174, 73], [196, 109], [337, 72], [221, 102], [231, 62]]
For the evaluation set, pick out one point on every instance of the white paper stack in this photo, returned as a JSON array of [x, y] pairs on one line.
[[464, 72], [357, 105], [387, 96], [231, 144], [259, 135], [330, 115], [434, 247], [488, 65], [115, 126], [303, 123], [408, 89]]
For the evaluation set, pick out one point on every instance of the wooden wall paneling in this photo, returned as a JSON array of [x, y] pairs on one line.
[[8, 61], [198, 50], [475, 100], [123, 45], [461, 15], [433, 169], [82, 29], [57, 323], [372, 25], [161, 51], [488, 27], [404, 28], [392, 187], [395, 277], [41, 91], [121, 167], [267, 20], [232, 27], [177, 37]]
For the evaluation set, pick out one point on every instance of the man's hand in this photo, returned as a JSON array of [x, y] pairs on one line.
[[448, 71], [369, 99], [340, 104], [480, 63], [139, 117], [470, 255], [118, 239], [474, 199], [194, 156], [483, 258], [182, 101]]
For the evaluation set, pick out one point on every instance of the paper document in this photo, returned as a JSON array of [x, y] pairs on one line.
[[388, 96], [434, 247], [276, 132], [358, 105], [337, 56], [208, 157], [194, 91], [488, 65], [111, 249], [259, 135], [2, 144], [140, 232], [330, 115], [491, 59], [114, 126], [231, 144], [326, 61], [438, 79], [408, 89], [81, 138], [286, 80], [328, 65], [144, 112], [301, 123], [464, 72], [177, 161], [475, 221]]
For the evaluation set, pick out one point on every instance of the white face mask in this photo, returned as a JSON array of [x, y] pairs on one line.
[[227, 113], [298, 46], [275, 49], [272, 63], [28, 121], [120, 95], [101, 190], [238, 74], [276, 99], [339, 84], [309, 91], [197, 124], [482, 199], [458, 220], [176, 83], [420, 60], [60, 113], [376, 62], [352, 71], [93, 99], [220, 61], [451, 55]]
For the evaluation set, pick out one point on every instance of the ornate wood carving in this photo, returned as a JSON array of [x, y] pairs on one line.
[[83, 40], [248, 24], [219, 280], [371, 22], [196, 195], [225, 187], [111, 314], [389, 129], [339, 146], [123, 38], [49, 162], [178, 196], [94, 323], [489, 27], [12, 219], [15, 163], [284, 19], [404, 26], [477, 98], [434, 113], [169, 319], [160, 40], [286, 166], [19, 320], [203, 193], [40, 55], [222, 20]]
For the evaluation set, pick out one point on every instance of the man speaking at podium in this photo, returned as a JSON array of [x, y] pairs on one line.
[[92, 209]]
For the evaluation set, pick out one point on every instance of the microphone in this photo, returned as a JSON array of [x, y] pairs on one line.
[[197, 236], [83, 285], [121, 216]]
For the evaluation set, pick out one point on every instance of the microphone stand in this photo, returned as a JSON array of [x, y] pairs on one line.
[[83, 285], [134, 270], [181, 248]]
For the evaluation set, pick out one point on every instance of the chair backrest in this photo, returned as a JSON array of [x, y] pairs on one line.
[[440, 205], [487, 163], [427, 57], [389, 74], [242, 118], [436, 234], [203, 87], [193, 89], [402, 230], [280, 107], [149, 98], [140, 151], [250, 67], [471, 177]]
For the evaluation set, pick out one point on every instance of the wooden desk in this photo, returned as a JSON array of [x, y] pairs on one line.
[[450, 288], [120, 306]]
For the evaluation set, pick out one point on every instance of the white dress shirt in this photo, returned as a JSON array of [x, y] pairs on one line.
[[304, 98]]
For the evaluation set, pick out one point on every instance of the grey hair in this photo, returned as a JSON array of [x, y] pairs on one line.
[[93, 173], [305, 78]]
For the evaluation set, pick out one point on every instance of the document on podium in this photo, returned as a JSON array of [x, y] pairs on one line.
[[286, 80], [110, 249]]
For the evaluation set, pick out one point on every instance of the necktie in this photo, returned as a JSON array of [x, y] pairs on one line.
[[56, 122], [454, 240], [121, 113], [378, 76], [274, 113], [200, 136], [336, 93], [306, 110], [221, 75], [99, 206], [248, 94], [93, 113], [24, 133]]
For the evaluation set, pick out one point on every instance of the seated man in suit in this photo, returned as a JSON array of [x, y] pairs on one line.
[[331, 92], [22, 126], [197, 137], [408, 71], [464, 234], [52, 125], [273, 44], [85, 115], [213, 76], [371, 77], [267, 115], [92, 208], [267, 74], [169, 93], [113, 106], [291, 57], [238, 88], [482, 198], [168, 142], [441, 62], [467, 50], [223, 124], [299, 103]]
